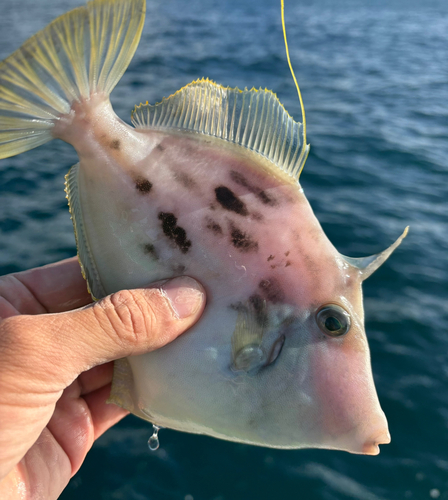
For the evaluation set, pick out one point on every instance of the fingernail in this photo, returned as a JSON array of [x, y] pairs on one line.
[[185, 296]]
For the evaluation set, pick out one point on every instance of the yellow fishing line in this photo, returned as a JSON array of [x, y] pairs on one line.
[[292, 73]]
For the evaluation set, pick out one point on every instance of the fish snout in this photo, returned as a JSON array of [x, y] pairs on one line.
[[370, 434], [371, 445]]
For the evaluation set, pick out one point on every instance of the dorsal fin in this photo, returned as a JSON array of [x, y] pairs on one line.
[[254, 119]]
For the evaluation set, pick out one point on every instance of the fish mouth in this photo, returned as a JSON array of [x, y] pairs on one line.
[[371, 445]]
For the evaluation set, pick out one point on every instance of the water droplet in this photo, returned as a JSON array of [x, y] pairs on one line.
[[153, 441]]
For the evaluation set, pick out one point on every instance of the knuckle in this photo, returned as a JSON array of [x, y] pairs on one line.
[[127, 316]]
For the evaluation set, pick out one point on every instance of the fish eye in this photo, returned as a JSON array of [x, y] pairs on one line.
[[333, 320]]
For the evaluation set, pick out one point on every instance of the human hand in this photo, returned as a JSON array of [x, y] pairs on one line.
[[56, 366]]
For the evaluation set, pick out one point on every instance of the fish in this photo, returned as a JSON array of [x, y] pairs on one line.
[[206, 183]]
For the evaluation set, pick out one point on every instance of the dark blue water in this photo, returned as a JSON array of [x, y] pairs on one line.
[[374, 78]]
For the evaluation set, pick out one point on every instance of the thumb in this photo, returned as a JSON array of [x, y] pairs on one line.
[[58, 347]]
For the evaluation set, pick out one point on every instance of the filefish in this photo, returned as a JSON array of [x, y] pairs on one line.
[[205, 184]]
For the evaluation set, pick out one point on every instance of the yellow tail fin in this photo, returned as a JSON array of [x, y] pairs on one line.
[[83, 52]]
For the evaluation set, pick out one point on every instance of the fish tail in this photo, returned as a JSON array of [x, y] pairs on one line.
[[83, 52]]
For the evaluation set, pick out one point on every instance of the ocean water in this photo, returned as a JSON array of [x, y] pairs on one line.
[[374, 79]]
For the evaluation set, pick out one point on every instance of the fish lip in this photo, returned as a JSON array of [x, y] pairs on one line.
[[371, 445]]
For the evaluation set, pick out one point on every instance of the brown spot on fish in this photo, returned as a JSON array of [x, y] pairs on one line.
[[143, 185], [311, 265], [273, 266], [227, 199], [174, 232], [271, 257], [178, 269], [239, 178], [214, 226], [287, 253], [259, 307], [272, 290], [115, 144], [266, 199], [243, 241], [288, 263], [149, 249], [257, 216], [185, 180], [160, 147], [238, 307]]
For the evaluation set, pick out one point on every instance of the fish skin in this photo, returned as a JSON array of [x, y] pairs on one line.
[[150, 203], [282, 256]]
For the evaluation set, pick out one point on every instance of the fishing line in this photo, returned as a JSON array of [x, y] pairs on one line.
[[292, 72]]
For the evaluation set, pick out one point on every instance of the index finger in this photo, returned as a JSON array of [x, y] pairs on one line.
[[52, 288]]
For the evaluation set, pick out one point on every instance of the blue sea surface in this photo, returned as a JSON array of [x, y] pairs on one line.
[[374, 79]]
